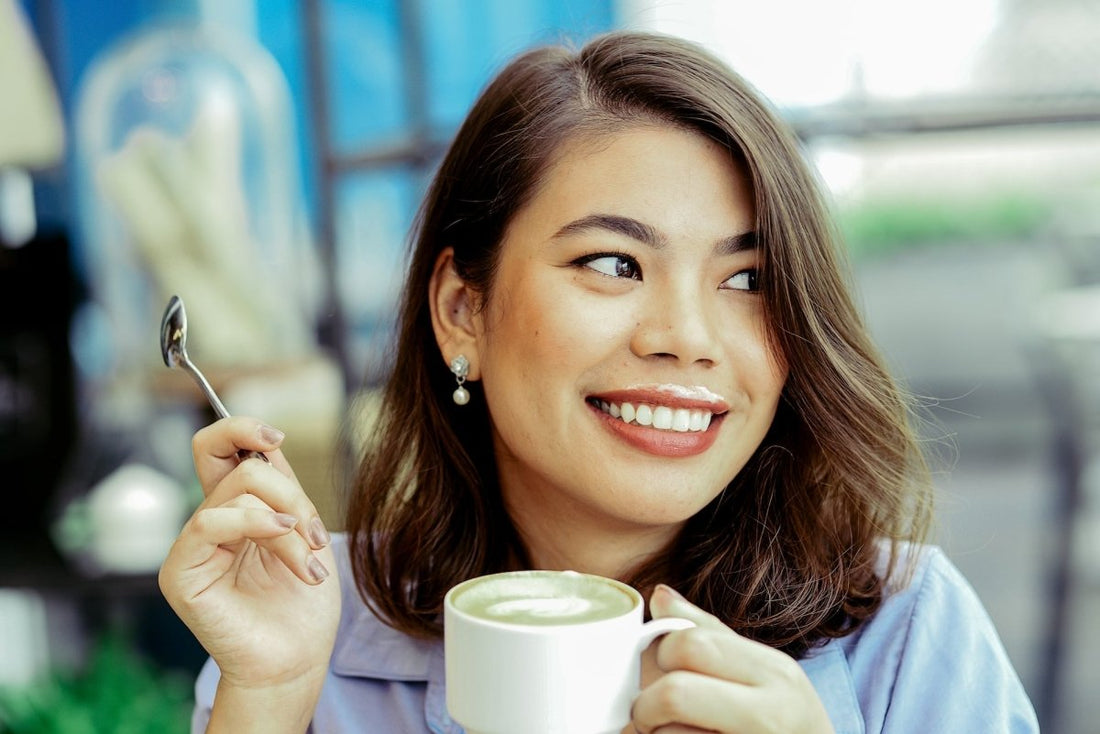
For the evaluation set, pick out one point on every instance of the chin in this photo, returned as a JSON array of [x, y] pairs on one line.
[[654, 513]]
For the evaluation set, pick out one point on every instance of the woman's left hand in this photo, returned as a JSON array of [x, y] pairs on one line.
[[709, 678]]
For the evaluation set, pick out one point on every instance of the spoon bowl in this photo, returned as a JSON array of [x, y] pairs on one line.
[[173, 348], [173, 333]]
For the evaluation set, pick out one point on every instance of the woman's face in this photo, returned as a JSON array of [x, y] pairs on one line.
[[623, 350]]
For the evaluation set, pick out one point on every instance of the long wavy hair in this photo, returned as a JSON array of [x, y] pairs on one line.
[[790, 552]]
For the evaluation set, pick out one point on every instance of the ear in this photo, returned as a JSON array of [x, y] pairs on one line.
[[454, 313]]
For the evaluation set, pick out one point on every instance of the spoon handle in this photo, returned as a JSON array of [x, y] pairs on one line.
[[208, 391], [218, 406]]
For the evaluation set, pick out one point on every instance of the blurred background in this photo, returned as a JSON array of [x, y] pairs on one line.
[[264, 160]]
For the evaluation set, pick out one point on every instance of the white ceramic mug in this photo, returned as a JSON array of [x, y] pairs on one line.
[[545, 652]]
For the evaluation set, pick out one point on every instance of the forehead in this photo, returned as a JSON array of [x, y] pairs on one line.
[[677, 181]]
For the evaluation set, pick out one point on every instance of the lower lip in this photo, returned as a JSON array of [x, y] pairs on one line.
[[658, 442]]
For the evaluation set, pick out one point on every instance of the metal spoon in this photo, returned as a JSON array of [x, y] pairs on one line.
[[173, 347]]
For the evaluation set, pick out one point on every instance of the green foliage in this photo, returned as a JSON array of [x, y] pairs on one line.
[[887, 225], [118, 692]]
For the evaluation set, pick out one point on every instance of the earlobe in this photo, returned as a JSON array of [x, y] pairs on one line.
[[453, 305]]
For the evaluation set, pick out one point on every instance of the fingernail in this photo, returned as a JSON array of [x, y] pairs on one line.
[[671, 592], [317, 532], [287, 521], [317, 570], [271, 435]]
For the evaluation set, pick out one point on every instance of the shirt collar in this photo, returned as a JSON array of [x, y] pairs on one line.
[[435, 698], [365, 646], [828, 671]]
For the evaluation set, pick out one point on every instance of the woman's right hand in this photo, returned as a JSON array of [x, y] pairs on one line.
[[249, 572]]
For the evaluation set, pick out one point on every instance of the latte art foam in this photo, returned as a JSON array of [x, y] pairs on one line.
[[544, 598], [552, 607]]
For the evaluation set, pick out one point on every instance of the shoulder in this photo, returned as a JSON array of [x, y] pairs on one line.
[[929, 610], [924, 586], [930, 658]]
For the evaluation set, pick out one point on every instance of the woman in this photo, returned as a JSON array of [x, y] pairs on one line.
[[625, 347]]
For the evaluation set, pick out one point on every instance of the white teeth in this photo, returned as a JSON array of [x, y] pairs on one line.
[[661, 417], [681, 420]]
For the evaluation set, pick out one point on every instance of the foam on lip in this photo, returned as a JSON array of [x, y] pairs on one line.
[[684, 392]]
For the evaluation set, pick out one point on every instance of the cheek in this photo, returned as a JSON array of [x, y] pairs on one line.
[[775, 368], [773, 361], [761, 364], [539, 330]]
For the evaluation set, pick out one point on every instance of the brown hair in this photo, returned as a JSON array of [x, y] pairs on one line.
[[787, 553]]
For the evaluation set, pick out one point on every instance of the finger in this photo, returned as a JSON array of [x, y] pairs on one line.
[[200, 548], [275, 490], [687, 701], [210, 531], [291, 549], [212, 527], [667, 602], [708, 653], [711, 648], [215, 447]]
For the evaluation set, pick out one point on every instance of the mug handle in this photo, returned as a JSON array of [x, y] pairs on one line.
[[654, 628]]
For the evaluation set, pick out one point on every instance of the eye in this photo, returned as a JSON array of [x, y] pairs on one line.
[[611, 265], [746, 280]]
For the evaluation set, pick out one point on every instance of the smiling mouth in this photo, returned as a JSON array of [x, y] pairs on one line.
[[659, 417]]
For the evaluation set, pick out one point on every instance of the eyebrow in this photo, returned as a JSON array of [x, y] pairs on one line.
[[647, 235]]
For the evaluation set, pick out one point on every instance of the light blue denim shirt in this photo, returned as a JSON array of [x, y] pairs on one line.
[[928, 661]]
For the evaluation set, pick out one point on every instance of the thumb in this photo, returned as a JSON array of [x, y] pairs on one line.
[[667, 602]]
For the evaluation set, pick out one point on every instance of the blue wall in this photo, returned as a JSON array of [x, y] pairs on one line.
[[464, 42], [459, 44]]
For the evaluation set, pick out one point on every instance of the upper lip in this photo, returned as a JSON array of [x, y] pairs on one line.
[[673, 396]]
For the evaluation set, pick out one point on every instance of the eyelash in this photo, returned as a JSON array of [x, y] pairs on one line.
[[754, 280], [586, 261]]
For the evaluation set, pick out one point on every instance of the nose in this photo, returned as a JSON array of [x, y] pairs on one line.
[[677, 322]]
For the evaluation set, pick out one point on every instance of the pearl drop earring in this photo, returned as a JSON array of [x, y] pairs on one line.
[[460, 366]]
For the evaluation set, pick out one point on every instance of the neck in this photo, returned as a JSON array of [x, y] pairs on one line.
[[568, 540]]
